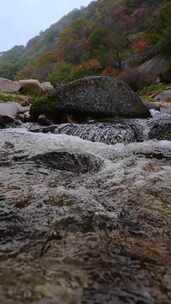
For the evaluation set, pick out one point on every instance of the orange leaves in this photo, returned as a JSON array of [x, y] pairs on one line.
[[92, 64]]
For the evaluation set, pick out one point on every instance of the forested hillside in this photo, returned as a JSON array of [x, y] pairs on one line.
[[103, 38], [15, 59]]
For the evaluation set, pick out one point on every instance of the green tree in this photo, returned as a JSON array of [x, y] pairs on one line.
[[61, 74]]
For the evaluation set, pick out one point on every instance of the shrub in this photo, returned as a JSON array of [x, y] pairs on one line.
[[6, 97], [152, 90], [65, 72], [43, 105]]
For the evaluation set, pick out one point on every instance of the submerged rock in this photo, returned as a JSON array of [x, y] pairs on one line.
[[161, 130], [78, 163]]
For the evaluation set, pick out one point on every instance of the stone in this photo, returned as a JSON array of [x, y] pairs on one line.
[[153, 105], [6, 121], [42, 120], [47, 87], [154, 68], [31, 87], [99, 97], [72, 162], [24, 117], [164, 96], [161, 130], [9, 86]]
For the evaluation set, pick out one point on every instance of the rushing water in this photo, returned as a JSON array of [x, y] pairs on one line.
[[118, 131], [93, 203]]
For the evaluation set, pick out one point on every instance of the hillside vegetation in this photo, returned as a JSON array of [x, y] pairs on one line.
[[103, 38]]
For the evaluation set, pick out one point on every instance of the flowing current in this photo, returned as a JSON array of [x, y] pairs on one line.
[[118, 131], [85, 213]]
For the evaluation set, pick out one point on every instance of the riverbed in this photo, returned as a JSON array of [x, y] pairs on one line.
[[85, 220]]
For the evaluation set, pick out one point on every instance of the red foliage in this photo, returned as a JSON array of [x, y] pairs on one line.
[[109, 71], [141, 44]]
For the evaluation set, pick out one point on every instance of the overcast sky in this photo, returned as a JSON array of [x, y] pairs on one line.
[[21, 20]]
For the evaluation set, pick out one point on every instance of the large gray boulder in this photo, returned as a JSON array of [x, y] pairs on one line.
[[154, 67], [100, 97]]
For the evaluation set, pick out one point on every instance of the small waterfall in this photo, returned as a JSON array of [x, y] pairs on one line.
[[117, 131], [109, 133], [105, 133]]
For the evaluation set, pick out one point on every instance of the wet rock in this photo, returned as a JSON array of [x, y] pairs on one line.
[[10, 223], [78, 163], [25, 117], [8, 121], [161, 130], [84, 222], [42, 120]]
